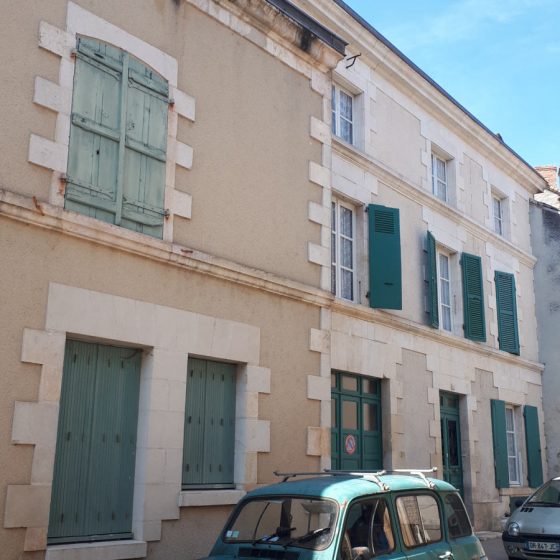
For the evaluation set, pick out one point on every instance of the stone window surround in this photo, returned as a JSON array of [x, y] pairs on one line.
[[168, 336], [58, 97]]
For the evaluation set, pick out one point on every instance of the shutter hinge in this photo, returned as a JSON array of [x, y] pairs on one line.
[[73, 52], [171, 101], [367, 295], [166, 213]]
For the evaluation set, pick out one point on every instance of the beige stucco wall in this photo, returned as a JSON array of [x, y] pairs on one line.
[[239, 90], [50, 257]]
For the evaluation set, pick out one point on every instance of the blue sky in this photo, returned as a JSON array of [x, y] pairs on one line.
[[498, 58]]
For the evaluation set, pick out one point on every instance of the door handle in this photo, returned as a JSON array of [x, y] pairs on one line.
[[446, 556]]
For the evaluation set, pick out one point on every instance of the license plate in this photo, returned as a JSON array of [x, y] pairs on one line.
[[546, 546]]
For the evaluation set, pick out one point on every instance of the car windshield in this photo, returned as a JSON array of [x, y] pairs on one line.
[[284, 520], [547, 495]]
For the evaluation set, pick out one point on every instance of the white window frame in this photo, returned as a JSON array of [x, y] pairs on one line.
[[498, 217], [337, 117], [437, 181], [514, 478], [442, 280], [336, 237]]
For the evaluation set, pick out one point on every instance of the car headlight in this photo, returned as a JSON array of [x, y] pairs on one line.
[[513, 529]]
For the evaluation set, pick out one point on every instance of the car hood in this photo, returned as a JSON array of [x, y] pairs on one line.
[[537, 520]]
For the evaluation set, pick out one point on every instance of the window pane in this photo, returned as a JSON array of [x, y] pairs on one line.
[[457, 518], [347, 288], [512, 465], [444, 266], [441, 191], [346, 106], [349, 383], [346, 250], [452, 443], [346, 221], [333, 380], [346, 130], [333, 216], [370, 386], [509, 419], [333, 279], [419, 519], [511, 443], [441, 170], [349, 415], [369, 418], [334, 419], [446, 318]]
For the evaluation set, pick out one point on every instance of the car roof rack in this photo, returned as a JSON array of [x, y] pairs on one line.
[[372, 476]]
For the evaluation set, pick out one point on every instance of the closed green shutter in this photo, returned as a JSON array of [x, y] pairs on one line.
[[533, 441], [473, 298], [508, 335], [209, 436], [499, 437], [433, 306], [93, 480], [118, 139], [385, 282]]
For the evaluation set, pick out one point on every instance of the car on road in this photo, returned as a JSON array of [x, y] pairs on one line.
[[533, 530], [350, 516]]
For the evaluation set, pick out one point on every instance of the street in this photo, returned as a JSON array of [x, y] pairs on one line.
[[494, 548]]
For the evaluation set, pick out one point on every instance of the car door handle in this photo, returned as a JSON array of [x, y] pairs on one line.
[[446, 556]]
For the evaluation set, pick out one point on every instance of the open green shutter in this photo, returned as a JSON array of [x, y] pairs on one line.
[[385, 283], [118, 139], [508, 335], [473, 298], [533, 441], [499, 437], [145, 152], [433, 308], [93, 152]]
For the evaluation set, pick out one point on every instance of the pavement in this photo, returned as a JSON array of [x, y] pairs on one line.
[[492, 543]]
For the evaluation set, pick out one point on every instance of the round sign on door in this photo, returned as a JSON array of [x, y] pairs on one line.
[[350, 444]]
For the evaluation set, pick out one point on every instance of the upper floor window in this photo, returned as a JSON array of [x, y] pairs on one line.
[[444, 281], [343, 250], [498, 215], [512, 451], [118, 139], [342, 107], [440, 174]]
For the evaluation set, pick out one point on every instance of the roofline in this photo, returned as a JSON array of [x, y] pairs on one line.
[[311, 25], [426, 77]]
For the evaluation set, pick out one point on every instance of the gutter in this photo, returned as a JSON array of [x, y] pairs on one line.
[[423, 74]]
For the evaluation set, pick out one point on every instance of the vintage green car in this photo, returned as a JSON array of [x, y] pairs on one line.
[[350, 516]]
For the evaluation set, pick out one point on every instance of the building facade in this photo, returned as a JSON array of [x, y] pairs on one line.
[[241, 237]]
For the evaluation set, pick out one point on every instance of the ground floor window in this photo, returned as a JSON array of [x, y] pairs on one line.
[[209, 437], [356, 441]]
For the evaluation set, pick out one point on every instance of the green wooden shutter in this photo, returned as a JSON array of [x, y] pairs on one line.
[[533, 441], [499, 437], [208, 451], [118, 139], [473, 298], [385, 282], [193, 448], [508, 334], [433, 306]]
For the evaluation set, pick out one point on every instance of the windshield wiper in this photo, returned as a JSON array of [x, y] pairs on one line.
[[277, 535], [313, 534]]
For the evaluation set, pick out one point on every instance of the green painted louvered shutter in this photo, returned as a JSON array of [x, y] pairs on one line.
[[433, 307], [93, 479], [533, 441], [145, 152], [385, 281], [93, 155], [193, 447], [473, 298], [508, 334], [499, 437], [209, 436], [219, 437], [118, 139]]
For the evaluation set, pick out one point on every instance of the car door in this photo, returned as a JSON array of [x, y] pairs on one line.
[[419, 519], [464, 544]]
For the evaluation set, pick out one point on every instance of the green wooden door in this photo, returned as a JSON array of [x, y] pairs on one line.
[[93, 479], [356, 442], [451, 440]]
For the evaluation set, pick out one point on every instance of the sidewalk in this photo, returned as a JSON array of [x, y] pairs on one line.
[[486, 535]]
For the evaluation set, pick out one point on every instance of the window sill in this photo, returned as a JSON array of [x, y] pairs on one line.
[[107, 550], [198, 498]]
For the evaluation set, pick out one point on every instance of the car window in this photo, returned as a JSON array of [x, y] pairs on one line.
[[368, 531], [419, 519], [458, 523], [548, 494]]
